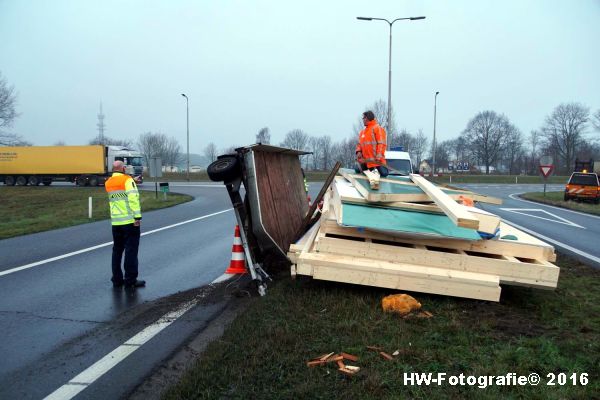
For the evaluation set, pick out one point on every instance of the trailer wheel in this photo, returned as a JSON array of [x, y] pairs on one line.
[[224, 169], [47, 183], [93, 180], [21, 181], [33, 180], [9, 180]]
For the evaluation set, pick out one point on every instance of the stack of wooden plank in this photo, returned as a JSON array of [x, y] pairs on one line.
[[413, 235]]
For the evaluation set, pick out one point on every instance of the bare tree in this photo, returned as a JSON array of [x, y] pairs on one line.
[[487, 132], [12, 139], [296, 139], [596, 120], [534, 140], [404, 139], [326, 152], [564, 130], [315, 148], [344, 152], [60, 143], [8, 101], [106, 141], [173, 155], [513, 149], [210, 152], [263, 136], [159, 145], [419, 146]]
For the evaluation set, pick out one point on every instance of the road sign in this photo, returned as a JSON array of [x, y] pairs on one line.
[[155, 167], [164, 187], [546, 170]]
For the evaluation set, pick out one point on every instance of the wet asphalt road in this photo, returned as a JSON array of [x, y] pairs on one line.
[[60, 317], [574, 233]]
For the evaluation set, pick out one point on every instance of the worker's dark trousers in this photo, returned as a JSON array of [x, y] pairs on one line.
[[125, 238]]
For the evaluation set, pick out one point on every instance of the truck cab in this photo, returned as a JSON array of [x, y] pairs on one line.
[[398, 161], [133, 161]]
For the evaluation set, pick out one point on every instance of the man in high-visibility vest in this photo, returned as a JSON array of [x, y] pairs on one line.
[[125, 215], [370, 150]]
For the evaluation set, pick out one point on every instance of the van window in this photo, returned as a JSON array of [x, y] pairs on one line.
[[584, 180], [402, 166]]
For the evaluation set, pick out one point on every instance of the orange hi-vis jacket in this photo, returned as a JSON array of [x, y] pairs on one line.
[[372, 142], [123, 198]]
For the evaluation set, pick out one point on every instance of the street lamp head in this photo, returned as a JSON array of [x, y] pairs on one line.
[[183, 94], [436, 93], [364, 18], [416, 18]]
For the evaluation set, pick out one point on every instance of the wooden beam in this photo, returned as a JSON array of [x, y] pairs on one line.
[[453, 210], [532, 248], [509, 269], [399, 276]]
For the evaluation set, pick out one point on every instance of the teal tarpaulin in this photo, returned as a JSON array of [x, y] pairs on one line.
[[389, 219]]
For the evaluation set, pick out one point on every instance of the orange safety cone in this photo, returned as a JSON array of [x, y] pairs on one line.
[[238, 260]]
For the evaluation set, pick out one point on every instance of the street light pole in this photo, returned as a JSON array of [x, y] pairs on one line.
[[389, 102], [187, 115], [434, 122]]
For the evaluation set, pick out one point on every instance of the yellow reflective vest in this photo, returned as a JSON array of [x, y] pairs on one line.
[[123, 198]]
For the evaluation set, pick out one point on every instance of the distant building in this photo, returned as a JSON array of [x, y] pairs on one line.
[[196, 168]]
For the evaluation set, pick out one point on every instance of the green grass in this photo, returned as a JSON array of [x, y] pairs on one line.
[[556, 199], [263, 353], [516, 179], [35, 209]]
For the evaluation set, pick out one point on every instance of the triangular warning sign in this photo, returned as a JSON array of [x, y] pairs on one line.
[[546, 170]]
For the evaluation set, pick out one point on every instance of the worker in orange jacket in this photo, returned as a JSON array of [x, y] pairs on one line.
[[372, 142]]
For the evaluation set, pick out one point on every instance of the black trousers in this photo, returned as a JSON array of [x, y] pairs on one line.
[[126, 239]]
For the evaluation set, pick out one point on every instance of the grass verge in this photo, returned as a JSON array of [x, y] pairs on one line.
[[556, 199], [263, 353], [35, 209]]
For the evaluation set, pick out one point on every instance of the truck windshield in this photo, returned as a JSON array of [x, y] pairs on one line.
[[584, 180], [134, 161], [401, 167]]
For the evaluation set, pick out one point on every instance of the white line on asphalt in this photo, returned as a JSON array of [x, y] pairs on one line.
[[555, 242], [522, 211], [109, 361], [547, 205], [74, 253]]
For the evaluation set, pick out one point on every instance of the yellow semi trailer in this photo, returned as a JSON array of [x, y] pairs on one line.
[[83, 165]]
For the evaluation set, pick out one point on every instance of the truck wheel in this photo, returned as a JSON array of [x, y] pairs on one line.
[[21, 181], [224, 169], [81, 181], [93, 181], [567, 198], [9, 180], [33, 180]]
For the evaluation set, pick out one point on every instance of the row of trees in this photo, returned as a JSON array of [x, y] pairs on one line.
[[489, 140]]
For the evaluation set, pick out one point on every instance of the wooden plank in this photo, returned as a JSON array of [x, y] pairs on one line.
[[401, 276], [309, 215], [453, 210], [540, 250], [509, 271], [412, 195]]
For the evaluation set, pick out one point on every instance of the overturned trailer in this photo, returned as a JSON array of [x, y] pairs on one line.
[[273, 206]]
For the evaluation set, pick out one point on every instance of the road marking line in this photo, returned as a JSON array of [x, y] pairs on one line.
[[555, 242], [74, 253], [562, 220], [548, 205], [109, 361]]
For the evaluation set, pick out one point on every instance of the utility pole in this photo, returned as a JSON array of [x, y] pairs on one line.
[[434, 122], [101, 125], [187, 114]]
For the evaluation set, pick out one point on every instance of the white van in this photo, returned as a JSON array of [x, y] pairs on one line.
[[398, 161]]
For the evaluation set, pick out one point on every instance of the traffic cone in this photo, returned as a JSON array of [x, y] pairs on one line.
[[238, 260]]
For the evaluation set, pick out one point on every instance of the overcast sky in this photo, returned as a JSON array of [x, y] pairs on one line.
[[290, 64]]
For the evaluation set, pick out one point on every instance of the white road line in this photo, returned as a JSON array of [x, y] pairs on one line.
[[555, 242], [522, 211], [109, 361], [74, 253], [548, 205]]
